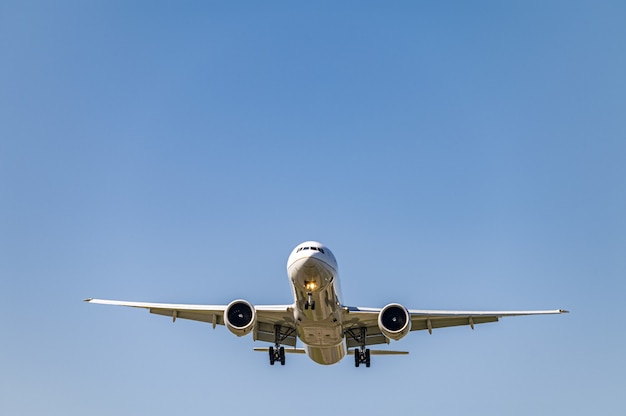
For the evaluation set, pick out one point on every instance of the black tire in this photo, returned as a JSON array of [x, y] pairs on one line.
[[281, 352], [367, 358], [272, 358], [357, 358]]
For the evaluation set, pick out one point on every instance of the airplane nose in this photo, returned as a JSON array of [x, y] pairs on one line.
[[311, 270], [312, 275]]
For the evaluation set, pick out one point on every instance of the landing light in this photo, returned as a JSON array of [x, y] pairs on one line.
[[310, 286]]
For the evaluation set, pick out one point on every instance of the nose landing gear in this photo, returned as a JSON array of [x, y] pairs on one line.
[[310, 303]]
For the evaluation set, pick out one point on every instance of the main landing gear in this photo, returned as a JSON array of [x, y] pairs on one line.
[[277, 353], [310, 303], [362, 354]]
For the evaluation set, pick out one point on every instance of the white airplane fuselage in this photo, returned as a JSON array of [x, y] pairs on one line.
[[314, 277]]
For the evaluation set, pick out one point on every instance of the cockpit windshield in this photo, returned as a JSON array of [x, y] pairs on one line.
[[321, 250]]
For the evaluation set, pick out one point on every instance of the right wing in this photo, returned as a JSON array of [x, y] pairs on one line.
[[429, 319], [356, 318], [268, 316]]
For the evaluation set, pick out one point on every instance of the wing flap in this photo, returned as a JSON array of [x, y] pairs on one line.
[[382, 352], [420, 323], [287, 350], [265, 332], [373, 337], [209, 317]]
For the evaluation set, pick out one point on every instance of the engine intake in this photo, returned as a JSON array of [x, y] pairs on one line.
[[240, 317], [394, 321]]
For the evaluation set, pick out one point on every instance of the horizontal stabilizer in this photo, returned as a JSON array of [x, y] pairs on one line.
[[381, 352], [287, 350]]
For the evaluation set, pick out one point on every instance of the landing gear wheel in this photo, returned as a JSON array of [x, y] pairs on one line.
[[362, 356], [277, 354]]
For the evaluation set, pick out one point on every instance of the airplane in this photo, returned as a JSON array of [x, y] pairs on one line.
[[328, 329]]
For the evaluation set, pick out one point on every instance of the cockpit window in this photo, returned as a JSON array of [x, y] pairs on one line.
[[321, 250]]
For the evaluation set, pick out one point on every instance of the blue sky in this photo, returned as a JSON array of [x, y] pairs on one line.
[[451, 154]]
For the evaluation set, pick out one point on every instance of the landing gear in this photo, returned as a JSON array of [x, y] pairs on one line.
[[362, 354], [277, 353], [310, 303]]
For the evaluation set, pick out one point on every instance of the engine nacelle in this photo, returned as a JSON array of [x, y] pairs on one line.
[[394, 321], [240, 317]]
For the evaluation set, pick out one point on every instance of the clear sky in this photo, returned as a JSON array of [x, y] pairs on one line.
[[452, 154]]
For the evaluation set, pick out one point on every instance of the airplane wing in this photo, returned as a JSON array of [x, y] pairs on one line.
[[268, 316], [357, 317]]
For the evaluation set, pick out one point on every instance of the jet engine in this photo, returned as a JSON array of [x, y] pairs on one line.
[[240, 317], [394, 321]]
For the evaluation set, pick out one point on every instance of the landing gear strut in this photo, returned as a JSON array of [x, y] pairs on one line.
[[362, 354], [277, 353], [310, 303]]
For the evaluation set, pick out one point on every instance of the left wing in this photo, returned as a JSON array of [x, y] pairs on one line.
[[268, 316], [356, 317]]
